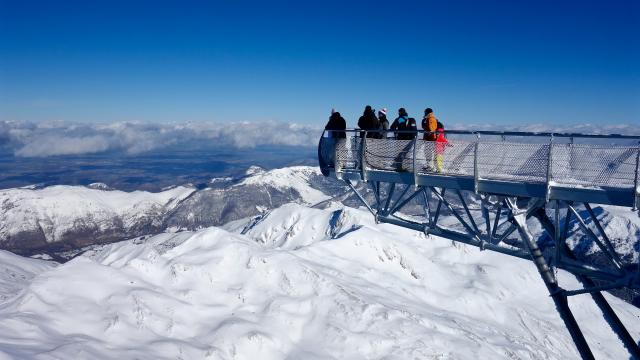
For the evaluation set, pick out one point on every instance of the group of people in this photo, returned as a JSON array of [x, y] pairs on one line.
[[402, 128]]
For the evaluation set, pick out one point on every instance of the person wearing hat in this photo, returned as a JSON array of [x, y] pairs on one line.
[[384, 123]]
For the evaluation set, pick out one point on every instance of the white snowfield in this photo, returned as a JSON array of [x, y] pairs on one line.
[[301, 283], [293, 177], [55, 210]]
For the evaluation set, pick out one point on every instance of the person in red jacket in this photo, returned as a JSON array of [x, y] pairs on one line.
[[441, 144]]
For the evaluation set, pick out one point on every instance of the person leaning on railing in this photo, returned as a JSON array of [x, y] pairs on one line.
[[404, 126], [335, 124], [430, 125], [405, 129], [384, 123], [369, 121]]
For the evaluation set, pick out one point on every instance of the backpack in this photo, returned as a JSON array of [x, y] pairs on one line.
[[432, 124]]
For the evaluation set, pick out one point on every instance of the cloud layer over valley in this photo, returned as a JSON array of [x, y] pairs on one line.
[[30, 139], [27, 139]]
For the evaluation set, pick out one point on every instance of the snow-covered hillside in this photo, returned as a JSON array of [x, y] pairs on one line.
[[295, 178], [81, 215], [72, 216], [300, 283]]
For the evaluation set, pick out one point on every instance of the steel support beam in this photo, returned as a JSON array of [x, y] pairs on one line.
[[455, 213], [549, 280], [364, 202], [399, 206], [609, 314], [466, 209], [438, 208], [402, 194], [595, 220], [595, 238]]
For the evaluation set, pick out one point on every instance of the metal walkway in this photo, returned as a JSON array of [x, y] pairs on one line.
[[516, 178]]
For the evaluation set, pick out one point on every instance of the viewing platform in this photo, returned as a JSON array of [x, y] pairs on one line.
[[600, 169], [517, 179]]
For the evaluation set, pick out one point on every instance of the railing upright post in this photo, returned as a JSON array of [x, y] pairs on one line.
[[335, 152], [636, 182], [415, 153], [549, 169], [476, 175], [363, 149]]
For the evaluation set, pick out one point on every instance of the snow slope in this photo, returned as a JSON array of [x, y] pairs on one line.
[[296, 178], [16, 272], [300, 283], [72, 216], [50, 214]]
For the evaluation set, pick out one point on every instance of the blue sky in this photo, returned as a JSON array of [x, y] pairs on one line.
[[474, 62]]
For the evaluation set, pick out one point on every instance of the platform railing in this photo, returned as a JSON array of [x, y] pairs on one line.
[[550, 160]]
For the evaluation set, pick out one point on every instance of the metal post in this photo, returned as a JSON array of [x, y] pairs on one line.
[[427, 204], [636, 184], [549, 169], [496, 221], [415, 153], [556, 291], [363, 164], [335, 153], [556, 235], [375, 193], [392, 188], [485, 214], [476, 175], [437, 215]]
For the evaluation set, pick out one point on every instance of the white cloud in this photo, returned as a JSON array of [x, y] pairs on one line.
[[58, 138], [49, 145], [29, 139]]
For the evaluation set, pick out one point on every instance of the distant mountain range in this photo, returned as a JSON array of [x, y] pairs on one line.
[[58, 218]]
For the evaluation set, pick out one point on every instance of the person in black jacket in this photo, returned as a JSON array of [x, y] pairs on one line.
[[404, 123], [369, 121], [401, 124], [335, 124]]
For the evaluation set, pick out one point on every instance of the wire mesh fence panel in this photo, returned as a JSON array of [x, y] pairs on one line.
[[389, 154], [347, 153], [588, 165], [454, 158], [513, 161]]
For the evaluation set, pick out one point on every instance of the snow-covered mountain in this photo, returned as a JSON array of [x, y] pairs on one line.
[[257, 192], [300, 283], [62, 217], [78, 216]]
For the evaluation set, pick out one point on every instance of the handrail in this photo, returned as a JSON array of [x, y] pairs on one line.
[[501, 133]]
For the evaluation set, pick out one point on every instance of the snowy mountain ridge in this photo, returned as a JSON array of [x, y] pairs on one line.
[[73, 216], [52, 213]]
